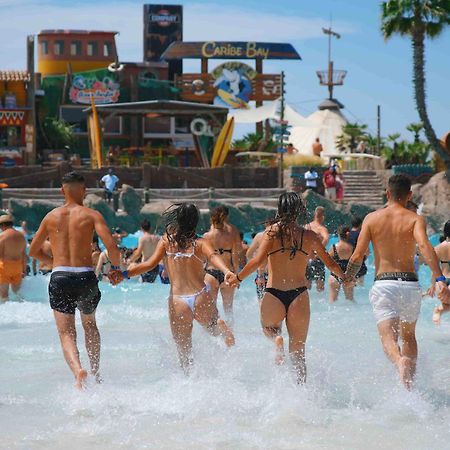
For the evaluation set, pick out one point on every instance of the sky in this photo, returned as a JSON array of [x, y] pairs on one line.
[[379, 72]]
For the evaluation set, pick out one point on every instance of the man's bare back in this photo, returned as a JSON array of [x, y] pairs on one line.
[[320, 230], [392, 232], [12, 245]]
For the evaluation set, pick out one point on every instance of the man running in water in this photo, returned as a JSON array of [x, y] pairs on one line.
[[315, 270], [146, 248], [396, 295], [73, 283], [13, 259]]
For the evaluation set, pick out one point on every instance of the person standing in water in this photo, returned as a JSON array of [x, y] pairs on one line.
[[396, 295], [13, 259], [73, 283], [185, 256], [286, 246], [341, 253], [261, 271], [443, 254], [315, 271], [146, 248], [225, 239]]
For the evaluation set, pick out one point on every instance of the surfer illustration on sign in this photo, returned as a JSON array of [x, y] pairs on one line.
[[233, 83]]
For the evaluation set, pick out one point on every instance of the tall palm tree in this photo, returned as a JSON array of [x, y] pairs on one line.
[[418, 19]]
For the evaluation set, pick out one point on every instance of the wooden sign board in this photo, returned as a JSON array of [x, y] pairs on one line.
[[196, 87], [230, 50]]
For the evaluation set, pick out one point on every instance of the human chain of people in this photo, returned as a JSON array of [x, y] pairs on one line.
[[289, 258]]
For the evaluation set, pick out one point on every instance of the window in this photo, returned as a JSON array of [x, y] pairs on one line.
[[75, 48], [113, 125], [157, 125], [44, 47], [107, 49], [58, 48], [92, 49]]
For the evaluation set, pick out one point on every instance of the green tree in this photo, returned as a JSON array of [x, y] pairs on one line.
[[56, 134], [415, 128], [351, 134], [418, 19]]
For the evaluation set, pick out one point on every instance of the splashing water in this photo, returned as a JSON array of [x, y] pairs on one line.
[[234, 398]]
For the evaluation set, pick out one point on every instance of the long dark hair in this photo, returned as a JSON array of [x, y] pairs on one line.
[[447, 230], [181, 224], [290, 209], [219, 215]]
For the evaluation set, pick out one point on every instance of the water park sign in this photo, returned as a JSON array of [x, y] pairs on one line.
[[230, 50], [85, 87]]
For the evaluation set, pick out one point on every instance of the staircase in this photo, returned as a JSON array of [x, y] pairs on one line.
[[364, 187]]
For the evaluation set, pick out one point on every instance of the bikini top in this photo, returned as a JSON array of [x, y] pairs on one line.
[[178, 255], [293, 249], [221, 251]]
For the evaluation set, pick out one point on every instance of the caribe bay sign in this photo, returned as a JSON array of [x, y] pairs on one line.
[[230, 50]]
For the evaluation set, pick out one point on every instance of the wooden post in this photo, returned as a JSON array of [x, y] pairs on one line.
[[378, 130], [204, 65], [31, 100], [259, 70]]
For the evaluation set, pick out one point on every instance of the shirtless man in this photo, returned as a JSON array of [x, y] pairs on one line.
[[315, 270], [261, 271], [396, 295], [317, 148], [13, 258], [73, 283], [146, 248]]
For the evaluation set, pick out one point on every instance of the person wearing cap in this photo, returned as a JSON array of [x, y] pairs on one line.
[[13, 259], [109, 181]]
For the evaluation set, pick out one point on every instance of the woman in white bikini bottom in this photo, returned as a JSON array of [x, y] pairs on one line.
[[185, 256]]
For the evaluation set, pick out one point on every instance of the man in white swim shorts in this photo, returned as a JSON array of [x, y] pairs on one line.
[[396, 296]]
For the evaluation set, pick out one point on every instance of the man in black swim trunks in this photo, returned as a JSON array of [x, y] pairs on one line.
[[73, 283], [315, 270]]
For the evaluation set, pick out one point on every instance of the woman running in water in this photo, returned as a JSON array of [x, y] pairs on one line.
[[185, 256], [443, 253], [226, 242], [287, 247], [341, 253]]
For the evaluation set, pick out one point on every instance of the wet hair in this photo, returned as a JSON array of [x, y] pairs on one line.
[[253, 235], [6, 224], [343, 232], [181, 224], [290, 208], [219, 214], [241, 235], [146, 225], [447, 229], [95, 239], [399, 186], [319, 210], [356, 222], [72, 178]]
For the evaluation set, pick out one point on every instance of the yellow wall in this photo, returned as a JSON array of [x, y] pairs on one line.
[[60, 67], [18, 88]]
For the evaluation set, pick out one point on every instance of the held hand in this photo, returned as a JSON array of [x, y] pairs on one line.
[[432, 290], [444, 293], [115, 277], [231, 279]]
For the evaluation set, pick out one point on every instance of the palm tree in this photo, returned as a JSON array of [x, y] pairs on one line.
[[418, 19], [415, 129], [351, 134]]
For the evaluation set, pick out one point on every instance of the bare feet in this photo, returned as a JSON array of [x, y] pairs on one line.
[[405, 367], [437, 315], [81, 379], [226, 332], [279, 355]]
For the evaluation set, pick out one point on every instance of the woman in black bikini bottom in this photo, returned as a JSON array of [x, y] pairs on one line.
[[287, 248]]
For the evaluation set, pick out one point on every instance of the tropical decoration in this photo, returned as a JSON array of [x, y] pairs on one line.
[[418, 19]]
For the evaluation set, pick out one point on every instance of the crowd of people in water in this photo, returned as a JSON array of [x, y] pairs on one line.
[[288, 259]]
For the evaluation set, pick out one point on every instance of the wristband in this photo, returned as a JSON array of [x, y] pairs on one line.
[[441, 278], [237, 276], [113, 267], [125, 274]]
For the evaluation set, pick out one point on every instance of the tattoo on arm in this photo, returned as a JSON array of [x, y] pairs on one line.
[[353, 268]]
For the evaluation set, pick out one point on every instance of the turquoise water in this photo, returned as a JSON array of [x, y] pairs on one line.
[[235, 399]]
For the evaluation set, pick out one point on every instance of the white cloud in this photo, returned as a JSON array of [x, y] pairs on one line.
[[201, 22]]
